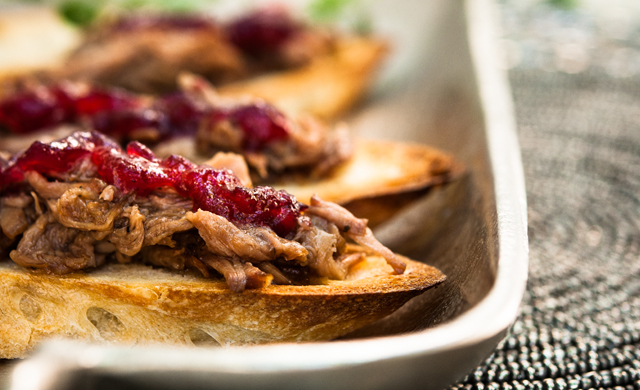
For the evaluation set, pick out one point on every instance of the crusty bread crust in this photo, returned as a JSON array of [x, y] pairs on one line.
[[136, 304], [379, 168], [327, 87]]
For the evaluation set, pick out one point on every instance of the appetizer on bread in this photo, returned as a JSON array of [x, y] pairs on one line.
[[295, 152], [87, 223], [195, 123], [146, 52], [265, 53]]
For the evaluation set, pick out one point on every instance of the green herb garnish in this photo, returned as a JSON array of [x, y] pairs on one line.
[[79, 12], [328, 10], [566, 4]]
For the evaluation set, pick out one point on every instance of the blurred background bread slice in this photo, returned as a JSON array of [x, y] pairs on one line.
[[33, 38]]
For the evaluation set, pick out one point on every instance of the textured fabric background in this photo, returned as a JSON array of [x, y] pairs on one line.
[[579, 326]]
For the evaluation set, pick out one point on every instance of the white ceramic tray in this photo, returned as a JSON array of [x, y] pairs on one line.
[[442, 86]]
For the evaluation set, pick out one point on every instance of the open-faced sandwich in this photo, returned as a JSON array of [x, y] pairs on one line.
[[298, 68], [266, 53], [294, 152], [118, 245]]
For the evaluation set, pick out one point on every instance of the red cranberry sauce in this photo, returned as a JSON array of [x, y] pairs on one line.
[[260, 123], [221, 193], [51, 159], [103, 100], [182, 114], [121, 124], [120, 114], [138, 169], [44, 107], [35, 109], [262, 32]]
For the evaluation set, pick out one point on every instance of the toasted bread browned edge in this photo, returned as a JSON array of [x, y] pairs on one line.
[[378, 168], [135, 304]]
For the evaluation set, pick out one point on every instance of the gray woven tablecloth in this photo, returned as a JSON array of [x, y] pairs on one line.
[[579, 325]]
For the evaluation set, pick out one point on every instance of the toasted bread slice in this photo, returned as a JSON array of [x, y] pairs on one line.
[[37, 39], [134, 304], [327, 87], [379, 168], [33, 39]]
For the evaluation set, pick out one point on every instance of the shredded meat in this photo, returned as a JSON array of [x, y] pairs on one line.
[[54, 248], [338, 148], [15, 214], [104, 247], [354, 228], [256, 278], [13, 221], [90, 222], [48, 189], [238, 274], [278, 276], [82, 208], [311, 146], [322, 242], [349, 259], [128, 239], [165, 200], [108, 193], [73, 221], [219, 136], [338, 215], [162, 256], [122, 258], [149, 60], [16, 200], [162, 224], [259, 163], [196, 264], [367, 239], [257, 243]]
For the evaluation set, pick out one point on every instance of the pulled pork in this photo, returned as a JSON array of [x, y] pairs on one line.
[[82, 228], [196, 123], [68, 220], [148, 59], [355, 229], [55, 248], [309, 146], [145, 52]]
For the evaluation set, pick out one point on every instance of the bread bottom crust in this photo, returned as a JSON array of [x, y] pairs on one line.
[[136, 304]]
